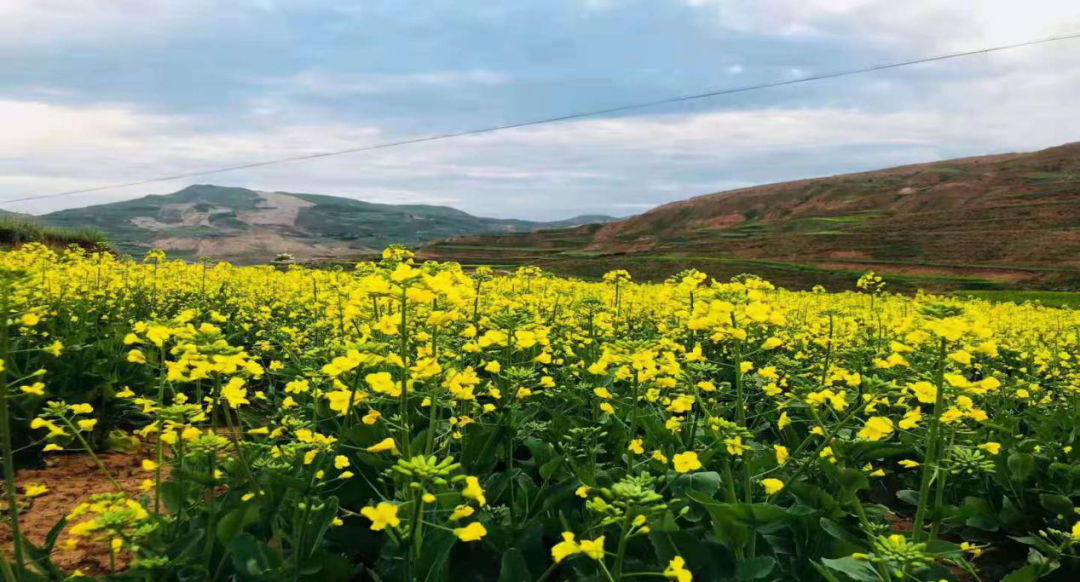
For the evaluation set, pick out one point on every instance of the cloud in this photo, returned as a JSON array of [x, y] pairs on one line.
[[548, 171], [913, 24], [108, 91], [49, 22]]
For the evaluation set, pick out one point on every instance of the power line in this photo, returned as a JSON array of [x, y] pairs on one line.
[[580, 115]]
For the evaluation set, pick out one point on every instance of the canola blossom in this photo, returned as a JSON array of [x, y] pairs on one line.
[[419, 422]]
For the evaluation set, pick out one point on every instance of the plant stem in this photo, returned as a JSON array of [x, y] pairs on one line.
[[633, 423], [90, 451], [5, 569], [939, 495], [9, 455], [158, 447], [623, 539], [930, 468], [868, 529], [403, 404]]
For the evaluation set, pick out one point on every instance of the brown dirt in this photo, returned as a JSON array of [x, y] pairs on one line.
[[71, 479], [1002, 276], [978, 214]]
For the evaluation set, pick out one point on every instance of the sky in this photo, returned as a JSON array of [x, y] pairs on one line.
[[100, 92]]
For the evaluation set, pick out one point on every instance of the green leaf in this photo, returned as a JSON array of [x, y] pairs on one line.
[[749, 514], [513, 567], [755, 568], [734, 523], [254, 558], [983, 523], [548, 469], [825, 573], [319, 521], [979, 514], [542, 452], [234, 522], [814, 497], [185, 543], [708, 559], [840, 532], [707, 482], [479, 445], [1056, 504], [1026, 574], [170, 495], [908, 496], [433, 563], [853, 480], [855, 569], [1021, 466], [42, 561], [943, 549], [335, 568], [1010, 515], [54, 533]]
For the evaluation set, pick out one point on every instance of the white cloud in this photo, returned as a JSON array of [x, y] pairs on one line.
[[917, 24], [543, 171], [1020, 100], [52, 22]]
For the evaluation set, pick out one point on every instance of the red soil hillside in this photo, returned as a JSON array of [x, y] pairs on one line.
[[1006, 218]]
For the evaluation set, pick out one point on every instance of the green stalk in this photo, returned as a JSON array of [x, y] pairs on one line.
[[729, 493], [90, 451], [9, 454], [740, 396], [476, 305], [508, 450], [180, 478], [633, 423], [161, 427], [930, 468], [5, 569], [352, 398], [694, 414], [939, 495], [868, 529], [740, 418], [234, 436], [211, 497], [824, 443], [433, 413], [828, 353], [623, 539], [403, 403]]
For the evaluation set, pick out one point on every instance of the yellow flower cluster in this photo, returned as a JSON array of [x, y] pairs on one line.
[[441, 388]]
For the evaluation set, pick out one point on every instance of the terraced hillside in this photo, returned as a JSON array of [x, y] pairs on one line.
[[1000, 221]]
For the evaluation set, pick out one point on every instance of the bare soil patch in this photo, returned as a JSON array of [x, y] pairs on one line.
[[71, 479]]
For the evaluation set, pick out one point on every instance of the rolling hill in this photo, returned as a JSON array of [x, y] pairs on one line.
[[998, 221], [248, 226]]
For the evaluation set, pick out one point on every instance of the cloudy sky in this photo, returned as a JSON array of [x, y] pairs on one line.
[[97, 92]]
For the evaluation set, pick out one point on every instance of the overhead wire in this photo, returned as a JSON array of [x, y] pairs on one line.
[[556, 119]]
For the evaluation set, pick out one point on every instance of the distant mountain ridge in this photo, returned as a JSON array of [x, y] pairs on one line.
[[248, 226], [1009, 220]]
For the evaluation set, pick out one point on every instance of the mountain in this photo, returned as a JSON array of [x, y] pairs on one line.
[[1008, 220], [247, 226]]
